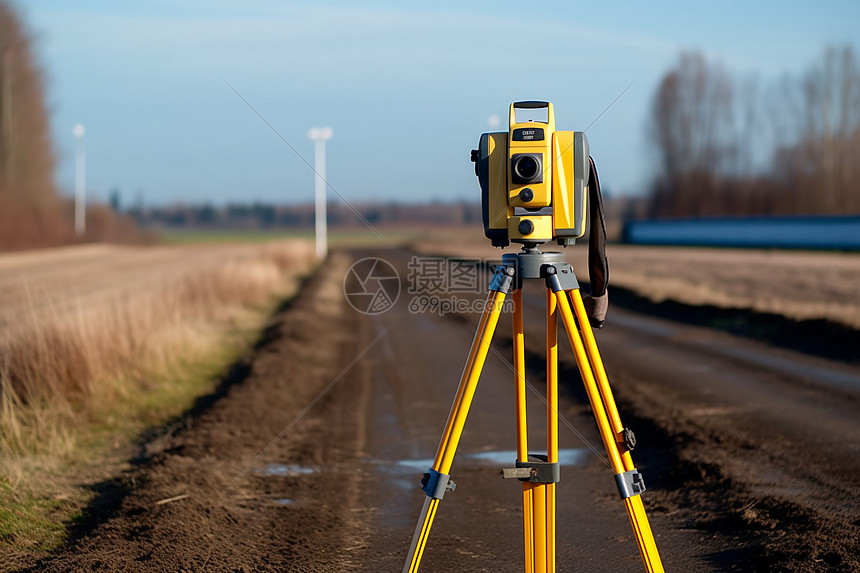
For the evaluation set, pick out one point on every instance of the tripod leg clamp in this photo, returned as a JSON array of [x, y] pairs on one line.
[[630, 483], [502, 279], [559, 276], [435, 484], [534, 472]]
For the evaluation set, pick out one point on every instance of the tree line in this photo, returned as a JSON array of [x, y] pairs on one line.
[[28, 200], [32, 211], [732, 145], [271, 216]]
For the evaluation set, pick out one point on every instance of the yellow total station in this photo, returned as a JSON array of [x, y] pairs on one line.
[[533, 179]]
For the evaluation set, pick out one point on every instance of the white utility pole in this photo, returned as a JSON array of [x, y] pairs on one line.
[[319, 137], [80, 181]]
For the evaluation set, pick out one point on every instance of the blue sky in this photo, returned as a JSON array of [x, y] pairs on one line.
[[407, 88]]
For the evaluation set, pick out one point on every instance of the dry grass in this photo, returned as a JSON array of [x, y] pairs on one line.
[[64, 367]]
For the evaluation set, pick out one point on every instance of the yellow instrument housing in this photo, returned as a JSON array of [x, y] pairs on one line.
[[569, 195], [542, 146], [552, 193], [542, 228]]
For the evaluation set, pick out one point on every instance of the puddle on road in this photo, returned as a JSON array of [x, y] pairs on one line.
[[566, 457], [285, 501], [415, 464], [284, 470]]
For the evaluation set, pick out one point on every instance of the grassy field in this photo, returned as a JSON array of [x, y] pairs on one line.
[[80, 381]]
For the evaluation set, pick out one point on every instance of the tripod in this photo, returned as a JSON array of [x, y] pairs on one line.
[[539, 474]]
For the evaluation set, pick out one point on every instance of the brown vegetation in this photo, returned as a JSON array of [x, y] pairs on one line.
[[63, 364], [32, 214], [26, 158], [727, 146]]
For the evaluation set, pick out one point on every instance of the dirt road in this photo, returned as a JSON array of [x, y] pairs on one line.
[[308, 458]]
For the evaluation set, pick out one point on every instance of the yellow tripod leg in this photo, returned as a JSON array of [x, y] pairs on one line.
[[437, 480], [539, 508], [538, 499], [630, 495], [522, 426], [635, 508], [419, 539], [600, 373], [551, 421], [528, 529]]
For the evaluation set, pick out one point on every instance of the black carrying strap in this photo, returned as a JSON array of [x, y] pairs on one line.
[[598, 266]]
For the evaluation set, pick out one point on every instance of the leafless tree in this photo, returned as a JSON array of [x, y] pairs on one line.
[[26, 157], [830, 123], [692, 130], [713, 135]]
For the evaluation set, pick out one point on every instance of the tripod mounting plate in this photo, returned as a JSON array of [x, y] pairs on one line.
[[528, 265], [532, 265]]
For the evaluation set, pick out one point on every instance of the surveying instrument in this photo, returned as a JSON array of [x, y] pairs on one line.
[[536, 184]]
